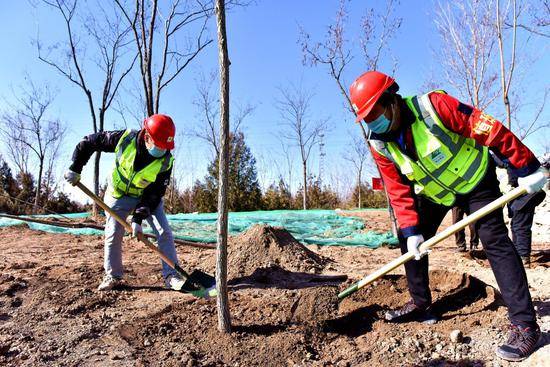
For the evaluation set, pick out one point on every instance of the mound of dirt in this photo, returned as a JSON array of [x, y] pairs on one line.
[[315, 297], [264, 246]]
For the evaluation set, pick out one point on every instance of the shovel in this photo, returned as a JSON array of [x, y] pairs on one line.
[[198, 283], [492, 206]]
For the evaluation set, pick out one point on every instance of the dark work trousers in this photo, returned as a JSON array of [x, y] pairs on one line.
[[522, 221], [501, 253], [460, 236]]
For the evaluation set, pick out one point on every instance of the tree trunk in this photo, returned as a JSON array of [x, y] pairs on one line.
[[304, 197], [38, 185], [224, 317], [359, 191]]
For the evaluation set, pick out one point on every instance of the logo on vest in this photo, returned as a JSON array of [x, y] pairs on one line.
[[437, 156]]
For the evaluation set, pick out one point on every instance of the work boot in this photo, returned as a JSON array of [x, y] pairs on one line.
[[174, 282], [521, 343], [109, 283], [411, 312], [526, 260], [473, 246]]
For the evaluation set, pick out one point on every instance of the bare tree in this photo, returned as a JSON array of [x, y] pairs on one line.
[[468, 37], [289, 162], [537, 123], [538, 21], [512, 55], [358, 155], [17, 151], [224, 317], [335, 54], [294, 107], [147, 18], [27, 125], [507, 71], [110, 38], [207, 104]]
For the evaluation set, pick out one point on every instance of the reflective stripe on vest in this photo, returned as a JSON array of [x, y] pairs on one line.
[[125, 180], [447, 163]]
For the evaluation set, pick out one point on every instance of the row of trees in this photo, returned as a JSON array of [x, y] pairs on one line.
[[245, 194], [18, 194]]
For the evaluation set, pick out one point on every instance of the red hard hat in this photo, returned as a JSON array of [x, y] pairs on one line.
[[161, 128], [366, 90]]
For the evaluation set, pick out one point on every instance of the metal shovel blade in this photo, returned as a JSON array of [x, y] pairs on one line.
[[200, 284]]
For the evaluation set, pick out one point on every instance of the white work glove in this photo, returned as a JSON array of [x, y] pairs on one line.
[[72, 177], [535, 181], [413, 242], [136, 229]]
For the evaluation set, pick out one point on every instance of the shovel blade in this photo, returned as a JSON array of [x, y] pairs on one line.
[[200, 284]]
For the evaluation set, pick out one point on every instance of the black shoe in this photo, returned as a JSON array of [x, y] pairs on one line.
[[521, 343], [461, 248], [473, 246], [411, 312]]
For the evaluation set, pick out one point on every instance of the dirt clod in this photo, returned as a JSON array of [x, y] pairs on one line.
[[456, 336], [315, 305]]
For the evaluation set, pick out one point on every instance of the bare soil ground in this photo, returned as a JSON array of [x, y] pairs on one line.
[[282, 298]]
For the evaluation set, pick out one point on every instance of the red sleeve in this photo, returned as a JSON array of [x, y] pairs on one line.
[[486, 130], [399, 194]]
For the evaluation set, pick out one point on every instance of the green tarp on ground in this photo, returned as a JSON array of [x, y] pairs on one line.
[[321, 227]]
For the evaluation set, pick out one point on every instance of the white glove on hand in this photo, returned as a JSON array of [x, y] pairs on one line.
[[136, 229], [535, 181], [413, 242], [72, 177]]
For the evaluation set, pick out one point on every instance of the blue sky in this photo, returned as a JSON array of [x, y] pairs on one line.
[[265, 55]]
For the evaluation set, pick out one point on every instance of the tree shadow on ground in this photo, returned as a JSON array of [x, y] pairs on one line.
[[265, 329], [276, 277], [149, 288], [540, 258]]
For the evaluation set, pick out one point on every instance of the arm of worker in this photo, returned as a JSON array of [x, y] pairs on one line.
[[399, 194], [473, 123], [105, 141], [151, 197]]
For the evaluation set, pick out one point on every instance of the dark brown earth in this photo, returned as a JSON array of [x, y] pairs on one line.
[[282, 299]]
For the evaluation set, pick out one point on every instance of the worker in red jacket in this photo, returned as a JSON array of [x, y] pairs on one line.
[[433, 154]]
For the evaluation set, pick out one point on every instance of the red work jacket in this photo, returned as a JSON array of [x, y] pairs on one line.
[[463, 120]]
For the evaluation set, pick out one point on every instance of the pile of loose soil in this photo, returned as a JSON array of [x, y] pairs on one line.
[[265, 246]]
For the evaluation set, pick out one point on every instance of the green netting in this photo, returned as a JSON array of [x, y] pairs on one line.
[[321, 227], [4, 222]]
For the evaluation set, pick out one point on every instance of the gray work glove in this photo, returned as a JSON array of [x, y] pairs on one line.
[[136, 230], [72, 177]]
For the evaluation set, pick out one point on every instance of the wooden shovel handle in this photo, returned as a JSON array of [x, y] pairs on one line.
[[128, 227], [492, 206]]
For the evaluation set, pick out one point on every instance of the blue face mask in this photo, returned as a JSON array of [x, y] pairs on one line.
[[379, 126], [156, 152]]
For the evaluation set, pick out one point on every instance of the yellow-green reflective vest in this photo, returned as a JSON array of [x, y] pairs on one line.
[[125, 180], [447, 164]]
